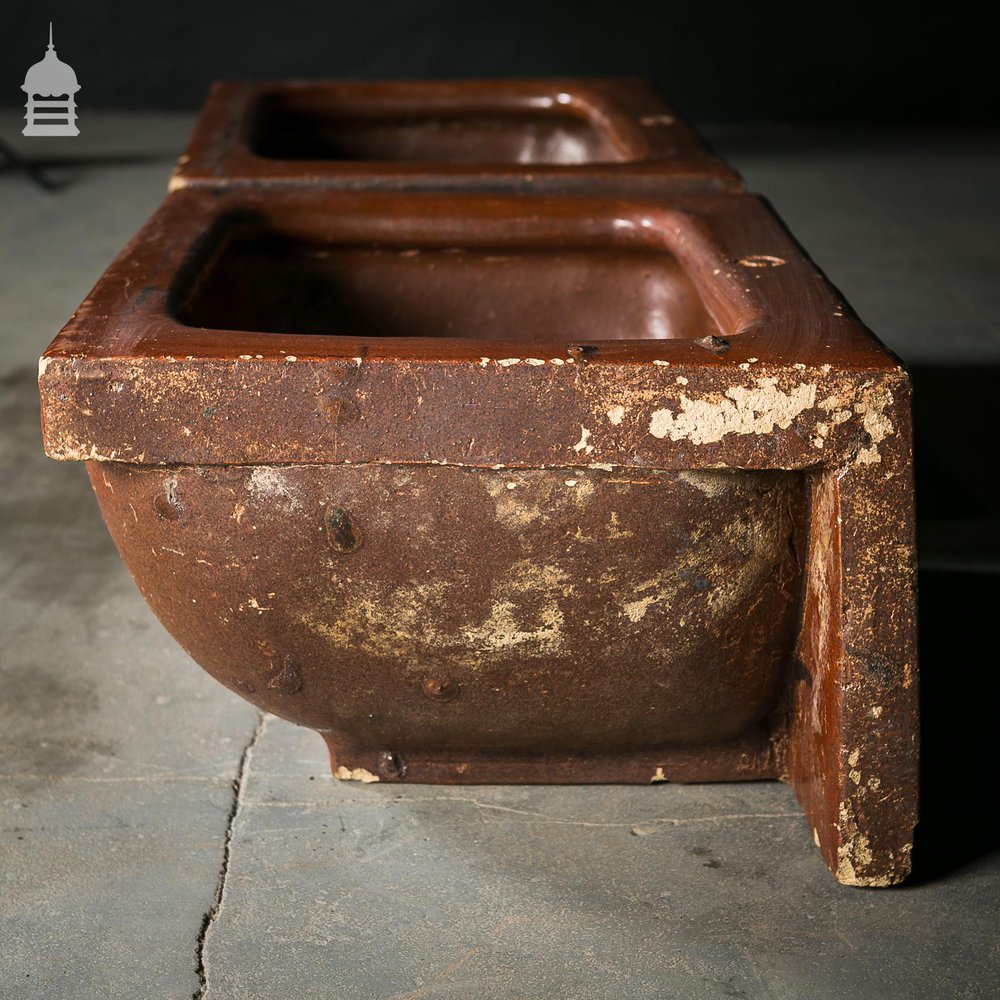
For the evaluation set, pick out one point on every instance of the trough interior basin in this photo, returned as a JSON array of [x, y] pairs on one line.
[[260, 278], [298, 126]]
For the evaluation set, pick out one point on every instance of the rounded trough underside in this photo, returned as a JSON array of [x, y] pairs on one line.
[[458, 611]]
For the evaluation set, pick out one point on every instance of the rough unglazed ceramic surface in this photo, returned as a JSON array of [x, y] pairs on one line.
[[554, 135], [489, 488]]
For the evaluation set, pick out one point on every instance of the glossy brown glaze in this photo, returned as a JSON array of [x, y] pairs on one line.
[[515, 488], [288, 126], [266, 280], [555, 135], [769, 317]]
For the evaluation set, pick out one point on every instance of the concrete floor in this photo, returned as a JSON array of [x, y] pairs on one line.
[[160, 839]]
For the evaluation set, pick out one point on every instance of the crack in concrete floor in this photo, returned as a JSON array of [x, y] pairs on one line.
[[211, 915]]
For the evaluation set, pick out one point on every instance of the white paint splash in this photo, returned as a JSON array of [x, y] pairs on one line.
[[755, 410], [583, 444]]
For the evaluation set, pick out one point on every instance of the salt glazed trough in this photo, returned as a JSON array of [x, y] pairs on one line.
[[587, 477]]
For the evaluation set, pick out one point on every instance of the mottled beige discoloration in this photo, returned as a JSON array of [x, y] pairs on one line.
[[761, 542], [507, 628], [855, 855], [267, 484], [525, 608], [355, 774], [70, 451], [583, 446], [742, 410], [534, 498], [526, 613], [392, 623], [615, 531], [712, 484], [854, 851], [870, 405], [154, 386], [635, 611]]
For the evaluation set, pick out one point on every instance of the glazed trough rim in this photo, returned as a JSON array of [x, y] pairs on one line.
[[124, 368], [658, 147]]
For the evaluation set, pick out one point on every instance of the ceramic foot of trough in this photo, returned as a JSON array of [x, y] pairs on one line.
[[534, 489]]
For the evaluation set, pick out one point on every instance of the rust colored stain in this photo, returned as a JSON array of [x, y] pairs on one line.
[[500, 485]]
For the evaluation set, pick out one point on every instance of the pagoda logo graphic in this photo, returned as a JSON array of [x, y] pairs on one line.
[[51, 87]]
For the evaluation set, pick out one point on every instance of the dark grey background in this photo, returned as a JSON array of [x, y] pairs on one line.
[[748, 61]]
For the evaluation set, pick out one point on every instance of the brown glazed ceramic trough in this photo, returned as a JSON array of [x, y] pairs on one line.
[[493, 488], [546, 135]]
